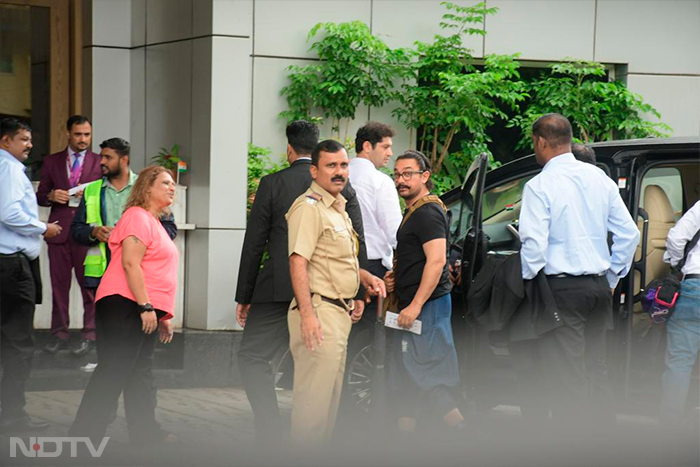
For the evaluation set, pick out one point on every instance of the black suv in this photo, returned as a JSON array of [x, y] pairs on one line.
[[659, 180]]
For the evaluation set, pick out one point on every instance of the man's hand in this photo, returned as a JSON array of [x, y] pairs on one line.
[[242, 313], [455, 274], [389, 281], [408, 315], [357, 312], [166, 331], [101, 233], [373, 284], [79, 194], [58, 196], [311, 333], [52, 230]]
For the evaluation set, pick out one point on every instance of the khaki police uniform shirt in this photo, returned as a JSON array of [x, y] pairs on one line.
[[321, 231]]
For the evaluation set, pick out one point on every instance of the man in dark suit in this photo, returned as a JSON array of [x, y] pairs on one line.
[[264, 294], [61, 172]]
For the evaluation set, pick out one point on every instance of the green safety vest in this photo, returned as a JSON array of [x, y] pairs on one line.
[[96, 257]]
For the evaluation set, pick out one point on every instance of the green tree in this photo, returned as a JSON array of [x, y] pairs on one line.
[[355, 68], [444, 94], [260, 163], [599, 109]]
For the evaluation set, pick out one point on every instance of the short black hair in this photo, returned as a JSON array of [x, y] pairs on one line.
[[374, 132], [11, 126], [77, 120], [329, 145], [302, 136], [555, 128], [422, 161], [119, 145], [584, 153]]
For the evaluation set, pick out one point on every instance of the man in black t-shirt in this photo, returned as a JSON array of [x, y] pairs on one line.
[[423, 373]]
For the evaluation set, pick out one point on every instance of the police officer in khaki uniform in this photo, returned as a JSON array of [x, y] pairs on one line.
[[325, 277]]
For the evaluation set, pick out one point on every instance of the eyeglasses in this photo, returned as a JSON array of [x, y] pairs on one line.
[[407, 175]]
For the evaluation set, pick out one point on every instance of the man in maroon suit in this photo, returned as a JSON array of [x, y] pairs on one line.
[[62, 171]]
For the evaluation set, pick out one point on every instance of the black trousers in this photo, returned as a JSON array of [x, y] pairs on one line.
[[18, 294], [573, 356], [125, 363], [265, 333]]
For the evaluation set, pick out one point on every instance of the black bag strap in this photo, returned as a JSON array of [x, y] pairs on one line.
[[688, 246]]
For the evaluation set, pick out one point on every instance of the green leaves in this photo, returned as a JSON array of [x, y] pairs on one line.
[[260, 164], [448, 102], [355, 68], [599, 109]]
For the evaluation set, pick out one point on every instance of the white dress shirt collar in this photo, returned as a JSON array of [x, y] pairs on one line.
[[560, 159]]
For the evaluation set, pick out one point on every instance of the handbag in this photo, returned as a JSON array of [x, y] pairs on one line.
[[391, 302], [662, 294]]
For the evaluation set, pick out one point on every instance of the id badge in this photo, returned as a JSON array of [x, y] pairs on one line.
[[73, 202]]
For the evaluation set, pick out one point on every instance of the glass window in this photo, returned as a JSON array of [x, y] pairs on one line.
[[502, 203], [669, 180]]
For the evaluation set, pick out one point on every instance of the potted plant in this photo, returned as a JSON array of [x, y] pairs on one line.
[[171, 160]]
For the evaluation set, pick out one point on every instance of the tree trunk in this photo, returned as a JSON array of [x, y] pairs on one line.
[[445, 148], [347, 130], [433, 152], [584, 135], [422, 140]]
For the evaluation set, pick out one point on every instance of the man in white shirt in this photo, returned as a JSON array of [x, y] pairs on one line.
[[379, 202], [567, 212], [683, 327]]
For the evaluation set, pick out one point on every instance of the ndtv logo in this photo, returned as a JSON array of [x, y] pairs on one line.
[[38, 446]]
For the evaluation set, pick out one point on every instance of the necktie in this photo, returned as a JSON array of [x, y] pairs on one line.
[[75, 171]]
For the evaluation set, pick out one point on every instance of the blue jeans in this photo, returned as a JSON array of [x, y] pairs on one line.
[[683, 333]]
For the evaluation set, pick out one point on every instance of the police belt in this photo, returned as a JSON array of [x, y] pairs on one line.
[[345, 304]]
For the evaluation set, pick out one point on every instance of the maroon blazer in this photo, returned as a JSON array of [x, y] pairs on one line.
[[54, 175]]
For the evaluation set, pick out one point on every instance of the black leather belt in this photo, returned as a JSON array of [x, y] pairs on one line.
[[691, 276], [571, 276]]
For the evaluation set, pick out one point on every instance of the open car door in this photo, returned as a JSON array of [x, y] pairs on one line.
[[474, 244]]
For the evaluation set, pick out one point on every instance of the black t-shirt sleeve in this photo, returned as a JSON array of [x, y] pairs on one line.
[[430, 223]]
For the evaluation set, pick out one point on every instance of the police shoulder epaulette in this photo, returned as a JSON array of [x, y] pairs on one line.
[[313, 198]]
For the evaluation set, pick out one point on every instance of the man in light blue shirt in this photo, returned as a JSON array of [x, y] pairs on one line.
[[20, 281], [567, 212]]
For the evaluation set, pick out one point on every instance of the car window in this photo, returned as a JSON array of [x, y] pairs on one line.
[[502, 203], [669, 180]]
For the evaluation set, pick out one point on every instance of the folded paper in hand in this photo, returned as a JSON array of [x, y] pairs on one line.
[[391, 321]]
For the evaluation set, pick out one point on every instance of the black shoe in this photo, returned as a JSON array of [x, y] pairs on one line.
[[23, 423], [84, 347], [55, 345]]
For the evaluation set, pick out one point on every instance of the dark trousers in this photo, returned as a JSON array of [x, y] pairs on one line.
[[17, 299], [63, 258], [125, 363], [573, 356], [265, 333]]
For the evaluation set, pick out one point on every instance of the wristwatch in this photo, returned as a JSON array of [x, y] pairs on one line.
[[146, 307]]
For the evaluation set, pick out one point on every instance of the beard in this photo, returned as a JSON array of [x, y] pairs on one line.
[[111, 173]]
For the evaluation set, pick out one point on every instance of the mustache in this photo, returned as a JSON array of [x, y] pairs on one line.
[[401, 185], [338, 178]]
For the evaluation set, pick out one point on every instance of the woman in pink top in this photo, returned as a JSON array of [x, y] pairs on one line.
[[136, 298]]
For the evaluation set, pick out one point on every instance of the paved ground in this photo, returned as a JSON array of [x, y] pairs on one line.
[[215, 427]]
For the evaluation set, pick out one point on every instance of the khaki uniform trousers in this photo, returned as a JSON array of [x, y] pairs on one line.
[[318, 374]]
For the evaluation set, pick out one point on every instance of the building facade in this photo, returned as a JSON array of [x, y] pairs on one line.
[[206, 75]]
